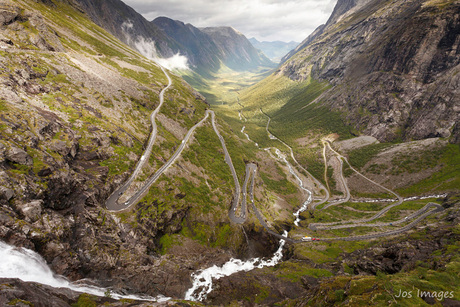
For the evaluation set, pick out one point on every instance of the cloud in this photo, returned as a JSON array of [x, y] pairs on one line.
[[146, 47], [177, 61], [263, 19]]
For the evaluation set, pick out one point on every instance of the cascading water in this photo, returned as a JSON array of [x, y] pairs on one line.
[[247, 136], [309, 199], [202, 282], [27, 265]]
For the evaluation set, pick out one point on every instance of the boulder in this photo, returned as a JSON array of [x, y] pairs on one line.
[[59, 147], [6, 193], [9, 95], [7, 16], [32, 210], [17, 155]]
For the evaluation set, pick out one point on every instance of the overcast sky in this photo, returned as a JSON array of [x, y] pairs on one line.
[[266, 20]]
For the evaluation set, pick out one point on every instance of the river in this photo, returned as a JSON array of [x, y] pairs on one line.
[[202, 280]]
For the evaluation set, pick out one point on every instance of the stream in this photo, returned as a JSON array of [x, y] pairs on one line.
[[309, 199], [247, 136], [202, 280], [27, 265]]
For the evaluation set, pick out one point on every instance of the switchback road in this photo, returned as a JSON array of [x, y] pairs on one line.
[[251, 170]]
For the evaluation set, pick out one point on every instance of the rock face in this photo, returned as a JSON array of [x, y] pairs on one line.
[[126, 24], [393, 66], [15, 292], [32, 211]]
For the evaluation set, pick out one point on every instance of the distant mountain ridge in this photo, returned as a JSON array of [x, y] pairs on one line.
[[238, 52], [274, 50], [206, 49]]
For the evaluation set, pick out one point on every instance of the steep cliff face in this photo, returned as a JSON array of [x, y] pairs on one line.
[[393, 65], [126, 24], [200, 50], [342, 9]]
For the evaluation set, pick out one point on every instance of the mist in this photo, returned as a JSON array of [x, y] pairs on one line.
[[146, 47]]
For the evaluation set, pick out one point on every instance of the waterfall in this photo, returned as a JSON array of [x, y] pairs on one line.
[[202, 281], [27, 265]]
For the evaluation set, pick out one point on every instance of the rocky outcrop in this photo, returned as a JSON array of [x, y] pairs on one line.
[[393, 66], [16, 292], [31, 211], [43, 39], [17, 155], [6, 194]]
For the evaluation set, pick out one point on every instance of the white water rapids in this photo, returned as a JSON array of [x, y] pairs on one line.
[[309, 199], [27, 265], [202, 282]]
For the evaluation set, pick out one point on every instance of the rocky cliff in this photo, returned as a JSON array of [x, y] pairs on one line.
[[393, 67], [199, 48], [126, 24]]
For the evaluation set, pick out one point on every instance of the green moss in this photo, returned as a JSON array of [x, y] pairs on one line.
[[167, 241], [293, 271], [85, 300], [20, 302], [3, 105]]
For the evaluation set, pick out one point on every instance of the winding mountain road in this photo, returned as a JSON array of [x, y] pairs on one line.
[[421, 214], [113, 205], [112, 202]]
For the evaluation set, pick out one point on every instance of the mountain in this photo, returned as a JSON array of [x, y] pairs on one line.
[[341, 10], [83, 115], [205, 52], [391, 69], [126, 24], [274, 50], [199, 48], [208, 48], [237, 52]]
